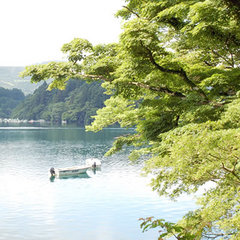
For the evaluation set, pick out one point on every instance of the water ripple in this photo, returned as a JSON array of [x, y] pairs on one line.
[[33, 206]]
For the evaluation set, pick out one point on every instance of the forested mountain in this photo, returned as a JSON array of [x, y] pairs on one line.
[[9, 99], [9, 78], [76, 104]]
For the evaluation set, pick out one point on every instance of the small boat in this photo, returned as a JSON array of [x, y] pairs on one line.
[[69, 171], [93, 163]]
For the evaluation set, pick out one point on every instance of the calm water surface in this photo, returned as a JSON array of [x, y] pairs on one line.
[[105, 205]]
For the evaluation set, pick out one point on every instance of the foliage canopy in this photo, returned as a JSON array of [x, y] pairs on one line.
[[174, 75]]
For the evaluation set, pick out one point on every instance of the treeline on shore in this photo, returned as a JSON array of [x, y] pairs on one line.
[[76, 104]]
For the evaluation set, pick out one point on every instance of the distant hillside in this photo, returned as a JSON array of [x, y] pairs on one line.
[[9, 78], [76, 104], [9, 99]]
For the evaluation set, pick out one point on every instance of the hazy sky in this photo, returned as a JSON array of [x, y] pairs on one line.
[[33, 31]]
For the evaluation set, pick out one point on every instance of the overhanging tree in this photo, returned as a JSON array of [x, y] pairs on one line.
[[175, 76]]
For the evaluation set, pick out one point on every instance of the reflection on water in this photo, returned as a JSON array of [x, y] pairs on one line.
[[104, 204], [81, 175]]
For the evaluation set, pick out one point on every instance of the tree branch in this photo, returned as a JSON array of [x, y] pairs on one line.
[[209, 64], [130, 10], [231, 171], [180, 72], [224, 58], [141, 85], [158, 89], [215, 178], [213, 235]]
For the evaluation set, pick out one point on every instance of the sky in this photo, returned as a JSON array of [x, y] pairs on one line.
[[33, 31]]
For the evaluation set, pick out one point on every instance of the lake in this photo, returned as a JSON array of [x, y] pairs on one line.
[[104, 205]]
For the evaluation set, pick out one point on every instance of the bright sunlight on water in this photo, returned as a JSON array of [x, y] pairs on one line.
[[104, 205]]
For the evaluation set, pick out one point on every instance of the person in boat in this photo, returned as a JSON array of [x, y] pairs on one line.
[[52, 171], [94, 165]]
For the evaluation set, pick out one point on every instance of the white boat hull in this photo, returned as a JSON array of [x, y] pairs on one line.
[[71, 171]]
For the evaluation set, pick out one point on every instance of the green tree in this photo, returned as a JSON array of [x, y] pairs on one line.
[[57, 110], [174, 75], [9, 99]]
